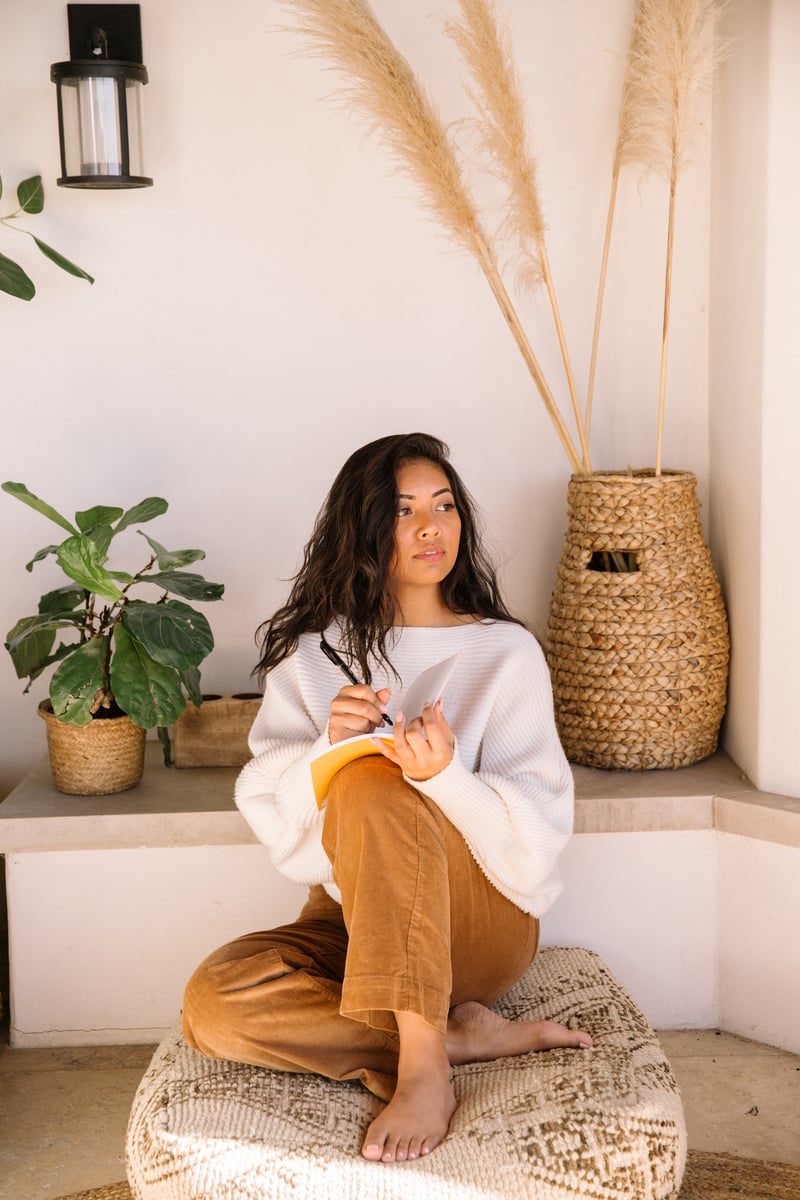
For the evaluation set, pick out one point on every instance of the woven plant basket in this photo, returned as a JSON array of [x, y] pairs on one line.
[[98, 759], [638, 657]]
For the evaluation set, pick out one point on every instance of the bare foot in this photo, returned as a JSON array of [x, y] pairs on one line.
[[476, 1034], [414, 1121]]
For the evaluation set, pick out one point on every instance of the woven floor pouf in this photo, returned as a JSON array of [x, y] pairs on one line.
[[604, 1124]]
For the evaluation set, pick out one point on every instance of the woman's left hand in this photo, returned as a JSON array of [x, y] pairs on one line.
[[422, 748]]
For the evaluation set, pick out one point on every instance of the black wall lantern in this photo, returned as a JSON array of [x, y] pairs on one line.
[[100, 98]]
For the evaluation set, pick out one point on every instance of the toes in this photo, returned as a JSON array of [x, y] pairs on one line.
[[407, 1149], [389, 1149], [374, 1145], [382, 1146], [399, 1152], [414, 1147]]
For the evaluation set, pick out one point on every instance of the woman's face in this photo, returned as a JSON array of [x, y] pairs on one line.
[[427, 527]]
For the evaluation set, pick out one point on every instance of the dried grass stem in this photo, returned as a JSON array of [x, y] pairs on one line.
[[485, 46], [670, 58]]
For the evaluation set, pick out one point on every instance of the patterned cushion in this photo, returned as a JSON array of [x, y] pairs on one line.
[[558, 1125]]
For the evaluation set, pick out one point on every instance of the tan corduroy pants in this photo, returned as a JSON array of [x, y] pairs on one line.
[[420, 929]]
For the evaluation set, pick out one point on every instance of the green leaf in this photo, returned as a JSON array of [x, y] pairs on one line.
[[77, 687], [172, 558], [70, 267], [26, 626], [78, 558], [101, 537], [90, 518], [31, 639], [186, 584], [173, 633], [60, 652], [28, 643], [21, 492], [62, 600], [191, 685], [40, 554], [147, 690], [30, 194], [1, 185], [14, 280], [152, 507]]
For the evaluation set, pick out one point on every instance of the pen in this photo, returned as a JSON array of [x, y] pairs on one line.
[[338, 661]]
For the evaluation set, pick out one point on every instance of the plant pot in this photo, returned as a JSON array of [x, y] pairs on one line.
[[215, 733], [638, 653], [97, 759]]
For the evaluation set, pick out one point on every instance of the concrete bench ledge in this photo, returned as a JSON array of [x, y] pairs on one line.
[[194, 807]]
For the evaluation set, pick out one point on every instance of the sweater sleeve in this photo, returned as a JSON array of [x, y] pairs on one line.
[[274, 791], [515, 812]]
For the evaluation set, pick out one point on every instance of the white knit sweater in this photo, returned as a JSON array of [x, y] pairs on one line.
[[508, 788]]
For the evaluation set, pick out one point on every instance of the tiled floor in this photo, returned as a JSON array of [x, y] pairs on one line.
[[738, 1096], [63, 1112]]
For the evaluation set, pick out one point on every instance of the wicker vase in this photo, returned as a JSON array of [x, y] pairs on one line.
[[637, 637], [98, 759]]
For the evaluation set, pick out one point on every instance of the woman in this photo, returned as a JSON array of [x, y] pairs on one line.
[[428, 864]]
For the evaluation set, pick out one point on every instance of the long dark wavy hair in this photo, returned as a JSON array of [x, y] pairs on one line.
[[346, 563]]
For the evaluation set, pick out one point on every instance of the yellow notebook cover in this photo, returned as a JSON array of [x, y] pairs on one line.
[[324, 767]]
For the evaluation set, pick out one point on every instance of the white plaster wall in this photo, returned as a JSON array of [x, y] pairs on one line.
[[738, 247], [778, 767], [754, 416], [109, 940], [698, 926], [647, 903], [759, 919], [91, 971], [278, 298]]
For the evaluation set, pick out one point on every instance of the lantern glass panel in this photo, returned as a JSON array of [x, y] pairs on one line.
[[92, 140], [134, 91]]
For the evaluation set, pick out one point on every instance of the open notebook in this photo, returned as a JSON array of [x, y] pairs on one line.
[[427, 688]]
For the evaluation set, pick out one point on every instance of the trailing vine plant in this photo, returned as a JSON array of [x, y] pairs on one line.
[[13, 279]]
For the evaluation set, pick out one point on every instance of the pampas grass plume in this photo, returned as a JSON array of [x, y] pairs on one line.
[[671, 56], [381, 85], [485, 46], [669, 59]]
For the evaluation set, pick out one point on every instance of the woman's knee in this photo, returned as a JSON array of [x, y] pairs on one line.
[[367, 799], [225, 986], [202, 1015], [369, 788]]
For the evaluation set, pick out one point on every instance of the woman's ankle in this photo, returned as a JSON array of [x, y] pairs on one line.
[[423, 1048]]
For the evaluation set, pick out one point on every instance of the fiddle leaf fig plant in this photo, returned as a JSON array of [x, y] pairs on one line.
[[122, 653], [13, 280]]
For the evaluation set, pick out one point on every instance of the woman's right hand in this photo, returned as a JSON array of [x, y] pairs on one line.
[[356, 709]]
